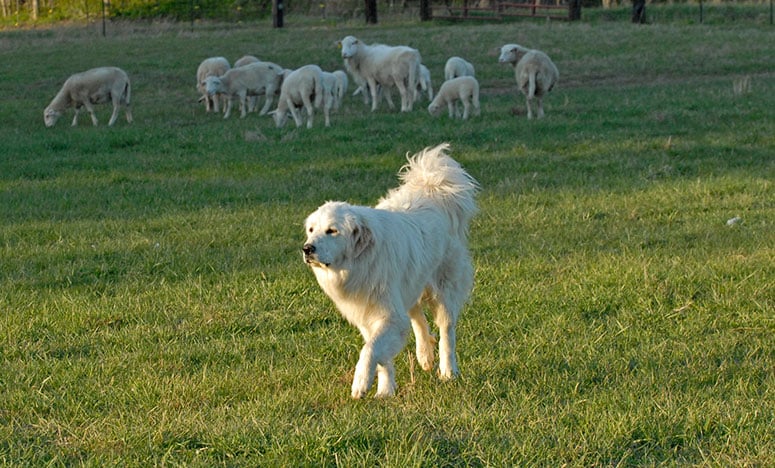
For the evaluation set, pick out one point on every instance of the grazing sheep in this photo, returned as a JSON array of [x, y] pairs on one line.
[[385, 66], [252, 79], [341, 87], [301, 87], [424, 83], [535, 72], [457, 66], [464, 89], [244, 60], [213, 66], [330, 95], [95, 86]]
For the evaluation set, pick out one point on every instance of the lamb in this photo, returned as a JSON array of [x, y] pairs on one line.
[[385, 66], [213, 66], [424, 83], [457, 66], [95, 86], [535, 72], [464, 89], [330, 95], [244, 60], [341, 87], [252, 79], [301, 87]]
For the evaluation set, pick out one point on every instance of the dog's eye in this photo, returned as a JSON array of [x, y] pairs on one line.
[[331, 231], [310, 229]]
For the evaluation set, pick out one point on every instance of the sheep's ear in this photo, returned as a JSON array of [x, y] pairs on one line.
[[363, 239]]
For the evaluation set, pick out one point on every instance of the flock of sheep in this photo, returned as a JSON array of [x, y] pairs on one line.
[[376, 69]]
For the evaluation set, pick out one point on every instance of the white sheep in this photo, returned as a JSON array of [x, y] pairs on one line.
[[96, 86], [424, 83], [341, 87], [252, 79], [385, 66], [457, 66], [301, 87], [330, 94], [213, 66], [244, 60], [535, 72], [464, 89]]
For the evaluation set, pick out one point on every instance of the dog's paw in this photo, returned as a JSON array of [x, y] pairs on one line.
[[448, 372], [426, 353], [359, 388]]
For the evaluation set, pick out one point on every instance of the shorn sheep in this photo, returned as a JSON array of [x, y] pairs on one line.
[[213, 66], [463, 89], [301, 87], [457, 66], [385, 66], [95, 86], [253, 79], [244, 60], [535, 72]]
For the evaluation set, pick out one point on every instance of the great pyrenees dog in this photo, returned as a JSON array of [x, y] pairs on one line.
[[382, 265]]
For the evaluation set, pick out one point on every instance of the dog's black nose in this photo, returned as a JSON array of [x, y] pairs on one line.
[[308, 249]]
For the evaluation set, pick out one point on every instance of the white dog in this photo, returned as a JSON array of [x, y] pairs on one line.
[[380, 265]]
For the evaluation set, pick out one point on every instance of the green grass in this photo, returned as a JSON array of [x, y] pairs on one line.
[[154, 309]]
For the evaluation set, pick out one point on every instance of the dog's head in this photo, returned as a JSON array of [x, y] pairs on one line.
[[337, 234]]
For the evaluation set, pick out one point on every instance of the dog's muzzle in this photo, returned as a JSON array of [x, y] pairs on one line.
[[309, 253]]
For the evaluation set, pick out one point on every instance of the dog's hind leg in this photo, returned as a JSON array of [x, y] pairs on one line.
[[426, 343], [450, 296]]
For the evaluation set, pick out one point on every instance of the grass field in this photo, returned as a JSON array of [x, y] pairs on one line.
[[154, 308]]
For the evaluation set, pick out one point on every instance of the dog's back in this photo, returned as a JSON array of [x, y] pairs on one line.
[[432, 179]]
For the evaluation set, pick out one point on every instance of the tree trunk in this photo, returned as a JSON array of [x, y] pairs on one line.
[[371, 11], [426, 12]]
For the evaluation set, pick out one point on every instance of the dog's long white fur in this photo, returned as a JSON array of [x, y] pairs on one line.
[[381, 265]]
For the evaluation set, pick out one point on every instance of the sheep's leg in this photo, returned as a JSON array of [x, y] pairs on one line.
[[310, 110], [466, 108], [268, 103], [406, 99], [128, 112], [451, 108], [114, 115], [227, 113], [327, 111], [90, 108], [374, 94], [529, 109], [75, 117], [540, 103], [243, 104], [294, 112], [388, 98]]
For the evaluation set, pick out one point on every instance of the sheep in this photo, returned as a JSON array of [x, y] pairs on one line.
[[213, 66], [95, 86], [341, 87], [457, 66], [535, 72], [462, 88], [330, 94], [301, 87], [252, 79], [424, 83], [385, 66], [244, 60]]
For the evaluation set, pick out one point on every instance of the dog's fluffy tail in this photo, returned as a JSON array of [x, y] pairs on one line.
[[433, 176]]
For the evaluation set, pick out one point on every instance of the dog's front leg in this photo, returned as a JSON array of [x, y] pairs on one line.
[[380, 349]]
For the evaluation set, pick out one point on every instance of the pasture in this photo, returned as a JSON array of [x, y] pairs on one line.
[[154, 308]]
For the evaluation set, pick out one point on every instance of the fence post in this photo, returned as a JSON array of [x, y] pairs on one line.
[[277, 13], [574, 10], [426, 11]]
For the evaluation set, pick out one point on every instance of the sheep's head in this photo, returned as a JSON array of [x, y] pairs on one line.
[[349, 46], [212, 85], [280, 117], [434, 108], [511, 53], [50, 116]]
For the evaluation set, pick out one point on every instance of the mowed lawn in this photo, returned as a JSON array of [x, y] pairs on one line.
[[154, 308]]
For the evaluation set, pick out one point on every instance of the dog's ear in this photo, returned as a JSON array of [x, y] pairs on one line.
[[362, 239]]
